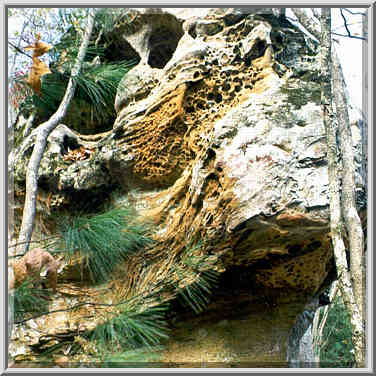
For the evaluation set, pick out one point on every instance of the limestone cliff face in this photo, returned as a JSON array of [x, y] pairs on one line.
[[220, 140]]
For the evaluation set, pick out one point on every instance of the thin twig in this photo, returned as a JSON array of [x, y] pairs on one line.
[[63, 310], [319, 326], [355, 13], [151, 294], [18, 255], [19, 49], [345, 22], [32, 241], [350, 24], [349, 36]]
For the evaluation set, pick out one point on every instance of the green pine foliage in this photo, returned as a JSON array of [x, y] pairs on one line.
[[28, 299], [104, 240], [197, 295], [96, 85], [132, 329], [337, 348]]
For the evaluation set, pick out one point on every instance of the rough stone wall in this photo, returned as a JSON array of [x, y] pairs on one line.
[[245, 161]]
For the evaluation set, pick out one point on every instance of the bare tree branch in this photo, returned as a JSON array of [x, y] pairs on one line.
[[314, 28], [336, 222], [41, 134], [350, 24], [32, 241], [29, 123], [355, 13], [345, 22], [127, 301], [318, 325], [66, 310], [350, 214], [347, 27], [292, 19], [350, 283], [349, 36]]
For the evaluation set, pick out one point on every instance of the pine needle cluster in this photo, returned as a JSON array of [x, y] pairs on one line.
[[196, 295], [28, 299], [97, 82], [133, 329], [96, 86], [103, 240]]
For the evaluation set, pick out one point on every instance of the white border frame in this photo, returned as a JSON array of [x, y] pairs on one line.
[[368, 65]]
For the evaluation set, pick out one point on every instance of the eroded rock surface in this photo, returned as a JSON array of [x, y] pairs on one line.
[[221, 136]]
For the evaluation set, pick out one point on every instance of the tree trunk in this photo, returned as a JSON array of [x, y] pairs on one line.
[[350, 214], [336, 224], [29, 124], [337, 228], [364, 125], [42, 133]]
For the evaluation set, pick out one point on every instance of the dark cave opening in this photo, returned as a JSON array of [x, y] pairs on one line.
[[162, 44]]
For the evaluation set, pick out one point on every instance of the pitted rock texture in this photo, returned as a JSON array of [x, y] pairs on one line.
[[252, 152]]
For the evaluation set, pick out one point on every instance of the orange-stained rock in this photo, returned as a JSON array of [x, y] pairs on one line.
[[31, 265]]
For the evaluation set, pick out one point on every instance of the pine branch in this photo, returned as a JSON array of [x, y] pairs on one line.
[[138, 296]]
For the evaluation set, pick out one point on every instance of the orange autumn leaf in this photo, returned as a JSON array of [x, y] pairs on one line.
[[39, 48], [38, 68]]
